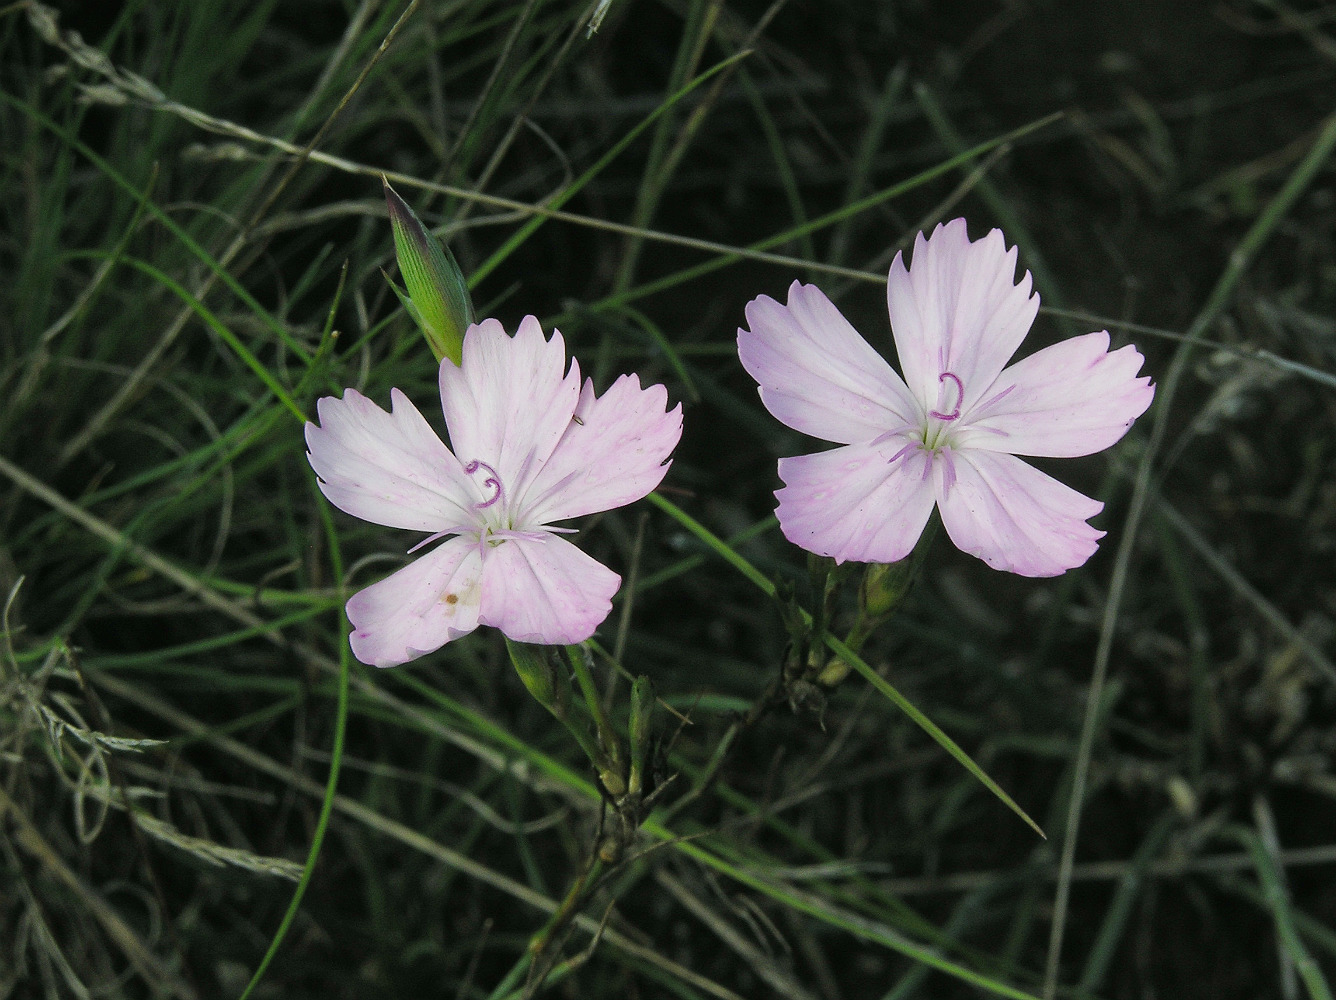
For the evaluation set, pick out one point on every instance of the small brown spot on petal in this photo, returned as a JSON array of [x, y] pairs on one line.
[[450, 598]]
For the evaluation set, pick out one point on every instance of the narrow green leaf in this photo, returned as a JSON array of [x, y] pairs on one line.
[[929, 727], [217, 326], [331, 781], [843, 651], [1278, 902], [724, 550], [565, 195]]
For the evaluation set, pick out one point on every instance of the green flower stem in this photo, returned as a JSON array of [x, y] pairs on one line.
[[551, 689], [570, 905], [885, 586], [640, 728], [609, 762]]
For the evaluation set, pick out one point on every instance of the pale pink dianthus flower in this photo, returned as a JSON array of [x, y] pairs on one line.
[[948, 433], [530, 447]]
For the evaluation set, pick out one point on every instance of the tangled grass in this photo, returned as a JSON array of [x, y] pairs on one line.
[[192, 244]]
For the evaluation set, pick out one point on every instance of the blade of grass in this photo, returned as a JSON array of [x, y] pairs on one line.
[[729, 253], [965, 914], [335, 764], [1250, 594], [735, 560], [215, 266], [1184, 587], [207, 316], [788, 180], [157, 975], [852, 923], [218, 271], [400, 832], [998, 203], [733, 255], [1318, 933], [714, 542], [568, 192], [870, 930], [1277, 900], [1120, 908], [661, 161], [665, 345], [860, 926], [1219, 297], [686, 135], [683, 566], [928, 726], [879, 116]]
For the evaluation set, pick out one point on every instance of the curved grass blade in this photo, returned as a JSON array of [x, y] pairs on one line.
[[1278, 902], [733, 255], [218, 327], [929, 727], [331, 783], [167, 222], [665, 345], [852, 923], [565, 195], [721, 547], [844, 652]]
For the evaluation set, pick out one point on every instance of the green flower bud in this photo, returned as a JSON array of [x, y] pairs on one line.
[[886, 584], [833, 673], [641, 728], [613, 782], [437, 296], [884, 587], [549, 686]]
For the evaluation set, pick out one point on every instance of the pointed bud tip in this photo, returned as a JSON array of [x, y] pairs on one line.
[[405, 221]]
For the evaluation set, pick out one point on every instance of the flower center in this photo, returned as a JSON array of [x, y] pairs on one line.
[[492, 482], [945, 396]]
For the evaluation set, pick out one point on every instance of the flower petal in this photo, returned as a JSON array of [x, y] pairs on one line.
[[1014, 517], [419, 608], [613, 452], [387, 468], [508, 403], [862, 502], [956, 309], [545, 590], [1073, 398], [816, 374]]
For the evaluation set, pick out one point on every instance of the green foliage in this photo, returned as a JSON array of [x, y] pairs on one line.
[[201, 794]]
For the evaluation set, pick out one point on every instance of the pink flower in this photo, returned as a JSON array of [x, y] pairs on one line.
[[949, 432], [530, 447]]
